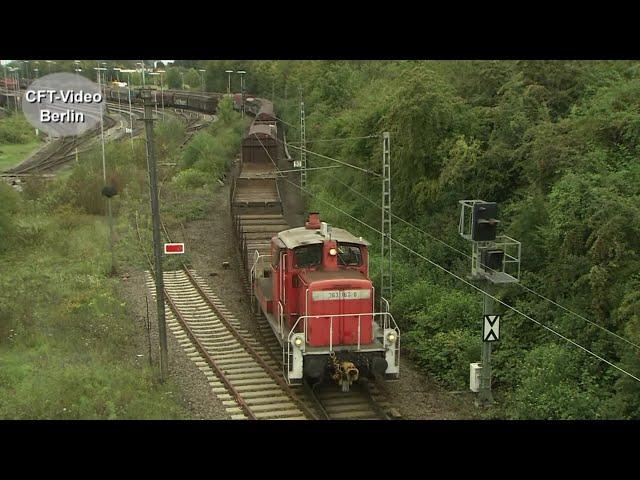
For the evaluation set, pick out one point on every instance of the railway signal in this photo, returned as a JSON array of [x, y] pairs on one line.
[[173, 248], [495, 260], [484, 223]]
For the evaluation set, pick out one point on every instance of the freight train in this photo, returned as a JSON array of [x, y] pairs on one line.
[[201, 102], [312, 282]]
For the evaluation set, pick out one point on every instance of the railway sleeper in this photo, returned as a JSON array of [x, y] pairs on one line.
[[331, 409]]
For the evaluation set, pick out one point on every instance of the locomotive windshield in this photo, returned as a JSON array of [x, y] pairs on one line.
[[349, 254], [308, 255]]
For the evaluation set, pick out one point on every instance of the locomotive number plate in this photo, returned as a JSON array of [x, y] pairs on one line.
[[341, 294]]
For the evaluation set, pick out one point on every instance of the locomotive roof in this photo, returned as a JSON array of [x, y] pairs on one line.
[[259, 128], [296, 237], [266, 106]]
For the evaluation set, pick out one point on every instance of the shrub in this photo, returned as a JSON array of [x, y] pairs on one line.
[[446, 355], [16, 129], [192, 178], [554, 385]]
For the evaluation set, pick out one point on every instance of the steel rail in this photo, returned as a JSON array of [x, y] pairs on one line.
[[210, 361], [256, 356]]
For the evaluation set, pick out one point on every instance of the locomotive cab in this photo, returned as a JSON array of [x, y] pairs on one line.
[[318, 297]]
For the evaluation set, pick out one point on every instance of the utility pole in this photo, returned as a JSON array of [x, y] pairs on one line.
[[386, 286], [157, 247], [303, 148], [104, 171]]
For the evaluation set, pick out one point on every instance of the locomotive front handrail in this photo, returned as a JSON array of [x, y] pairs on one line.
[[388, 322]]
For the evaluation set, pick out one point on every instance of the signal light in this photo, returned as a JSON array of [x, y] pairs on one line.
[[483, 221], [491, 259]]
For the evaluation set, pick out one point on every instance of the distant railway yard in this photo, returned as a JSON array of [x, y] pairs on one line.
[[328, 241]]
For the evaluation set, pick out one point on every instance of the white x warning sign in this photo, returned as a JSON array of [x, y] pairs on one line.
[[491, 328]]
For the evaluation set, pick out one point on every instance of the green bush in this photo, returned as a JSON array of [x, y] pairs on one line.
[[16, 129], [192, 178], [554, 385], [445, 355]]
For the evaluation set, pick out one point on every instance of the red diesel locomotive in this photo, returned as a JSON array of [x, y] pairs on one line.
[[315, 291]]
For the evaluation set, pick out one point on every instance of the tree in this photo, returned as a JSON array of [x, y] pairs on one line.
[[174, 80], [192, 78]]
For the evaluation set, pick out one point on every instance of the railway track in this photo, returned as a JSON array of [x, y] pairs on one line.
[[233, 361], [248, 384], [243, 370], [57, 152]]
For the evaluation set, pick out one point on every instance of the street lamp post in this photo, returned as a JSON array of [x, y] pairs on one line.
[[14, 70], [161, 92], [202, 78], [242, 72], [155, 92], [142, 66], [129, 72], [117, 70], [228, 72]]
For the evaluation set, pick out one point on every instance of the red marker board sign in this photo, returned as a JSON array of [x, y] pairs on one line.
[[173, 248]]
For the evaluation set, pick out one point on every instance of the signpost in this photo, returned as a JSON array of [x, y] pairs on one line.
[[491, 328], [173, 248]]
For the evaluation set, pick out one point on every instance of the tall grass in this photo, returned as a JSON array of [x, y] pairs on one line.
[[69, 347]]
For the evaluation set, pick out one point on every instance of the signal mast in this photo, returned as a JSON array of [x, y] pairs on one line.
[[495, 260]]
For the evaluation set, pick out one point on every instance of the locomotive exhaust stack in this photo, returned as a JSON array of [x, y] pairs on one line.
[[314, 221]]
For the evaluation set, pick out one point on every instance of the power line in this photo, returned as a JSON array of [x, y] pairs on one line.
[[338, 139], [346, 164], [472, 285], [363, 196], [539, 295]]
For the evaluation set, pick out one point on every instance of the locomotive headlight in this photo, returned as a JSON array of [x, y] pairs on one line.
[[333, 252], [297, 342], [391, 337]]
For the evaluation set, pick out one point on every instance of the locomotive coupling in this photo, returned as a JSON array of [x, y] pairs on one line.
[[344, 373]]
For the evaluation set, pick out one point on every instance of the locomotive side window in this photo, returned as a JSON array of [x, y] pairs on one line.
[[349, 254], [308, 255]]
